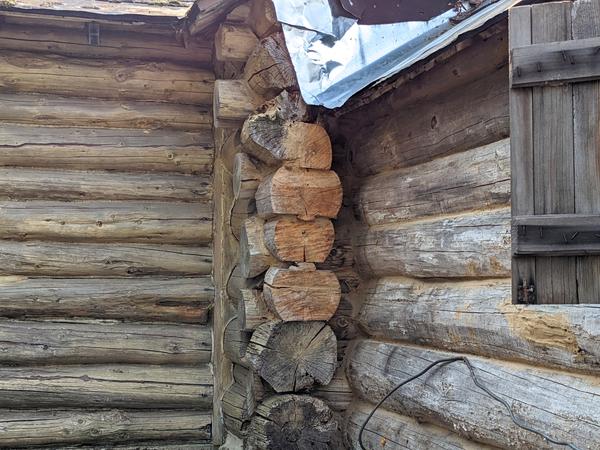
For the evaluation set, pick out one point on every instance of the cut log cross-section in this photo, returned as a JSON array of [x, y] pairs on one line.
[[290, 239], [270, 138], [269, 69], [252, 310], [300, 192], [302, 293], [255, 257], [292, 356], [294, 422], [240, 400]]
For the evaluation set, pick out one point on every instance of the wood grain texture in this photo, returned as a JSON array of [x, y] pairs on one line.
[[393, 431], [143, 222], [480, 179], [234, 42], [263, 18], [107, 386], [293, 421], [233, 102], [252, 310], [469, 246], [300, 192], [206, 12], [478, 318], [123, 149], [43, 184], [586, 98], [131, 80], [94, 342], [45, 109], [538, 396], [41, 34], [241, 399], [444, 124], [102, 260], [255, 257], [63, 427], [291, 239], [175, 8], [292, 356], [301, 293], [184, 300], [338, 393]]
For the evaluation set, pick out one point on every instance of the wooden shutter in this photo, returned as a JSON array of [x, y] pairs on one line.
[[555, 152]]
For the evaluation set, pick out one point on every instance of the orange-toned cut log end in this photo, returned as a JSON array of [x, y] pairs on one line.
[[302, 294], [303, 193], [294, 240]]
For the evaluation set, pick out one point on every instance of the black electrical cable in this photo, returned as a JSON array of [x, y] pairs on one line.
[[480, 385]]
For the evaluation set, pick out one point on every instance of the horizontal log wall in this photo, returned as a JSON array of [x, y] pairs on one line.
[[431, 239], [106, 157]]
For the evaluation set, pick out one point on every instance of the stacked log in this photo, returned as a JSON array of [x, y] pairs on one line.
[[284, 195]]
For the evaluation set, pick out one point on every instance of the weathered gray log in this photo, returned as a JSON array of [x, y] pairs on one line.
[[233, 101], [123, 149], [393, 431], [204, 444], [206, 12], [29, 33], [185, 300], [241, 399], [246, 178], [41, 184], [44, 109], [130, 80], [437, 126], [292, 356], [564, 406], [480, 179], [294, 240], [479, 318], [102, 260], [109, 386], [237, 281], [252, 310], [92, 342], [255, 257], [301, 293], [27, 428], [469, 246], [235, 342], [293, 422], [163, 223], [269, 69], [300, 192], [270, 138], [234, 42], [338, 393]]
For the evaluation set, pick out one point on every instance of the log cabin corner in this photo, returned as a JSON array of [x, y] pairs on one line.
[[221, 228]]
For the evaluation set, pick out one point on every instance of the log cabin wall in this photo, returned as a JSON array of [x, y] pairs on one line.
[[106, 155], [427, 158]]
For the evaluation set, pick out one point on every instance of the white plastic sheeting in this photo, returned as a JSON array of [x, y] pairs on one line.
[[335, 57]]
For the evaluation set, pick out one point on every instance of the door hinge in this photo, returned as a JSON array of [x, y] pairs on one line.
[[526, 294], [93, 29]]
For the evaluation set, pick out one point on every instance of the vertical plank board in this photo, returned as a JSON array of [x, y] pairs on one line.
[[521, 145], [556, 277], [586, 110]]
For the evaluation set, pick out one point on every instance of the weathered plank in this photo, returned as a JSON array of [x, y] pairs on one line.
[[480, 179], [42, 34], [93, 342], [44, 109], [566, 407], [124, 149], [469, 246], [450, 122], [521, 150], [183, 300], [102, 260], [556, 62], [586, 114], [106, 386], [42, 184], [157, 222], [28, 428], [130, 80], [393, 431], [478, 318]]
